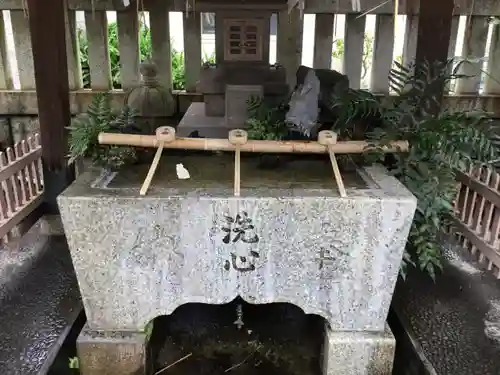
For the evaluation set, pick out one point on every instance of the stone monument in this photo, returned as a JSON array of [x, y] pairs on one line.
[[241, 70], [288, 237]]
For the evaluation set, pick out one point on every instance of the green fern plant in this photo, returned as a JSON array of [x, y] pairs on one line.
[[351, 106], [85, 128], [441, 142], [266, 121]]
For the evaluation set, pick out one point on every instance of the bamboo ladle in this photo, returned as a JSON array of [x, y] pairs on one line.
[[238, 141], [237, 137], [328, 138], [164, 135]]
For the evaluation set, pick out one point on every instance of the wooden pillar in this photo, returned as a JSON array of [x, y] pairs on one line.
[[434, 30], [51, 78], [434, 33]]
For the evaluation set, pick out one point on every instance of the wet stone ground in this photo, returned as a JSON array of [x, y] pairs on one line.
[[275, 339]]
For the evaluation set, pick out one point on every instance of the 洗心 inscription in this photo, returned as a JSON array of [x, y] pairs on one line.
[[240, 230]]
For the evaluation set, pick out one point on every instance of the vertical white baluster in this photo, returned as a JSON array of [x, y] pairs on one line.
[[192, 49], [383, 51], [474, 48], [96, 24], [323, 40], [5, 72], [353, 48], [160, 41], [128, 40], [72, 51], [290, 30], [24, 54], [492, 79]]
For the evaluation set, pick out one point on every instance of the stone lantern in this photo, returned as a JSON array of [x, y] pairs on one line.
[[152, 101]]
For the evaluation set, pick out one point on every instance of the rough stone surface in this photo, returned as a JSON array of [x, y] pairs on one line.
[[215, 105], [5, 133], [140, 257], [455, 322], [111, 353], [24, 127], [358, 353], [36, 317], [237, 97]]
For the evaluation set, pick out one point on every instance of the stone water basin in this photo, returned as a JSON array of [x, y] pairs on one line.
[[289, 237]]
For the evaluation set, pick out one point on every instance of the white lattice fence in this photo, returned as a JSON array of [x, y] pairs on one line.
[[21, 180], [477, 217]]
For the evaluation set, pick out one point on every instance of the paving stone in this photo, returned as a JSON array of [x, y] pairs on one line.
[[36, 317], [456, 321]]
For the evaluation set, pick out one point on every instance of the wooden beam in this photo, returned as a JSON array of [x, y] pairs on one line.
[[434, 35], [24, 103], [434, 30], [51, 77], [462, 7]]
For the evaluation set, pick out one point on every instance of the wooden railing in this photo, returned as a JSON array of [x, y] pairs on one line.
[[476, 223], [289, 51], [21, 181]]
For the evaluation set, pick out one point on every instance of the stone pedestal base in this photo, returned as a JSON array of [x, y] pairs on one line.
[[195, 119], [358, 353], [111, 353]]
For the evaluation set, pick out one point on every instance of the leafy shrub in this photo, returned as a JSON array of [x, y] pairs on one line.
[[178, 71], [440, 143], [85, 129], [338, 52]]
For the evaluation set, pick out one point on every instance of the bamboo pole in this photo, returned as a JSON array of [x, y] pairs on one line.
[[215, 144]]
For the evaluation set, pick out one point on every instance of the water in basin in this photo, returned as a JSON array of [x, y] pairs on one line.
[[217, 171]]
